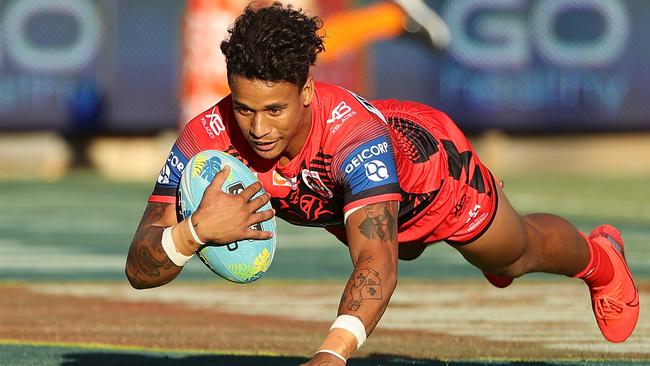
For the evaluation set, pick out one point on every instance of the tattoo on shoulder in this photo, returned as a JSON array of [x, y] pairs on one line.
[[366, 285], [379, 222]]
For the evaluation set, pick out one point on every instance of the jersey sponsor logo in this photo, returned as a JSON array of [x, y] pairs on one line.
[[475, 219], [376, 170], [342, 113], [365, 154], [313, 181], [163, 178], [370, 165], [280, 181], [473, 213], [215, 125], [175, 165]]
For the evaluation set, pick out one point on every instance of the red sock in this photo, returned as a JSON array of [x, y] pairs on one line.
[[599, 270]]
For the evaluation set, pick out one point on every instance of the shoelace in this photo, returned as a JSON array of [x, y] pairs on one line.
[[609, 306]]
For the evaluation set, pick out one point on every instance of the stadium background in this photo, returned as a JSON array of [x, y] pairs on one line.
[[552, 93]]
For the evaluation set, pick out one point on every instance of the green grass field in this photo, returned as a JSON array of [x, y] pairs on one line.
[[79, 230]]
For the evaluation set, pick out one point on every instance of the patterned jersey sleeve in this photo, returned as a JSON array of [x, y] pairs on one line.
[[364, 165], [202, 133]]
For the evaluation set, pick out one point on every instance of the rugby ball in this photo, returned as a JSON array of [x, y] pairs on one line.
[[243, 261]]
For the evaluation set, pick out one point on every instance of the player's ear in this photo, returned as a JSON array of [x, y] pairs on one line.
[[307, 91]]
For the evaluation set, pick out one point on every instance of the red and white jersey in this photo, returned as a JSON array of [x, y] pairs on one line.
[[352, 157]]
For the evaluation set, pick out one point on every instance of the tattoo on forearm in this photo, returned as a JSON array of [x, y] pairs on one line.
[[364, 259], [379, 223], [147, 258], [155, 212], [365, 285]]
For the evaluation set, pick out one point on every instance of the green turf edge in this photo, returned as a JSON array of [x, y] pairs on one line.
[[114, 347], [194, 351]]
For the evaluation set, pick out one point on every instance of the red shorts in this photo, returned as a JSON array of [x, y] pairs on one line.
[[479, 212], [463, 211], [466, 198]]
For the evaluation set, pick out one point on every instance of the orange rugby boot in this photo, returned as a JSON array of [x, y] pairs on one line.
[[615, 305], [498, 280]]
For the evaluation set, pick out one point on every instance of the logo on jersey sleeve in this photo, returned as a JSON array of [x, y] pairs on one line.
[[341, 113], [370, 165], [214, 126], [376, 170], [170, 174]]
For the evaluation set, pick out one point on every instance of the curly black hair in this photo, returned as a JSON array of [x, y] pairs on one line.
[[274, 43]]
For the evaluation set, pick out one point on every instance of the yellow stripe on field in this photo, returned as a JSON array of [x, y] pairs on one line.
[[158, 350], [114, 347]]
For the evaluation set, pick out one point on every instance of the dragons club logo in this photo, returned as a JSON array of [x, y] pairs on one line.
[[376, 170]]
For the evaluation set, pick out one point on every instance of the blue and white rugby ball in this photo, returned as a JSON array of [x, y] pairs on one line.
[[243, 261]]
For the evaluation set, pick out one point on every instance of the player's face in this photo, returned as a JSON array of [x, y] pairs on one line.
[[274, 117]]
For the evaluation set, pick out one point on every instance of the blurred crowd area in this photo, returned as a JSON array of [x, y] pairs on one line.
[[107, 84]]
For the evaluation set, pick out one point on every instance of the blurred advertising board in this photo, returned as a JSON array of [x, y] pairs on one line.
[[62, 61], [530, 66], [515, 65]]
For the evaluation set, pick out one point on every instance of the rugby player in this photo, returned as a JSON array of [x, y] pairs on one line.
[[387, 179]]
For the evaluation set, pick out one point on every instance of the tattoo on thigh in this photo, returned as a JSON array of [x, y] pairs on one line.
[[365, 285], [379, 222]]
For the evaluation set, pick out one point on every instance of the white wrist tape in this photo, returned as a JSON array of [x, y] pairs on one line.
[[170, 249], [332, 353], [193, 232], [353, 325]]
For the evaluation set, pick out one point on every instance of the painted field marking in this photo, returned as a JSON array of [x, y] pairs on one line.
[[116, 347]]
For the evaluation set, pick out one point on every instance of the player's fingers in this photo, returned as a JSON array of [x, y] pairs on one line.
[[258, 202], [258, 217], [219, 178], [251, 190], [258, 234]]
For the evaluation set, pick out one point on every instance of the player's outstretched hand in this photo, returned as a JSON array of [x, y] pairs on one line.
[[223, 218], [324, 359]]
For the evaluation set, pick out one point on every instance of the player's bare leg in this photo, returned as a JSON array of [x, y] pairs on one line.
[[515, 245]]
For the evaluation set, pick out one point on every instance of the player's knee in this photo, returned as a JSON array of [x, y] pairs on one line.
[[516, 269], [512, 264]]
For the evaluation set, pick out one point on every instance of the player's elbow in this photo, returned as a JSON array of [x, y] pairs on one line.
[[134, 280]]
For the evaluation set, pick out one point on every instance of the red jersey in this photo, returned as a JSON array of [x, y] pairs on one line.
[[353, 156]]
